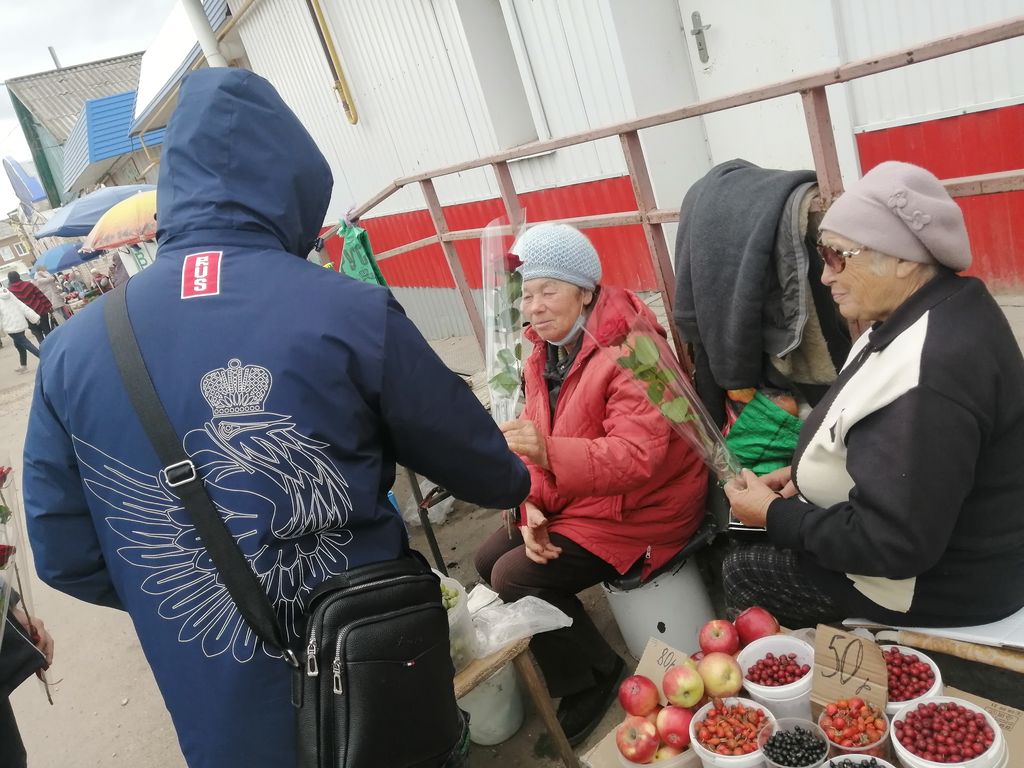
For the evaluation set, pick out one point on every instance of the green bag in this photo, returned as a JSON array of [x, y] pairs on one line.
[[357, 259], [764, 436]]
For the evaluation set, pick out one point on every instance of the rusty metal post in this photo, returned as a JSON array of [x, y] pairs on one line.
[[509, 196], [654, 232], [823, 144], [441, 227]]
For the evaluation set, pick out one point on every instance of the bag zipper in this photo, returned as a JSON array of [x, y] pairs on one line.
[[312, 667], [339, 646]]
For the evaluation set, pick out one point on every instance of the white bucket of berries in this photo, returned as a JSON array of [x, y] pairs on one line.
[[777, 674], [969, 736], [912, 676]]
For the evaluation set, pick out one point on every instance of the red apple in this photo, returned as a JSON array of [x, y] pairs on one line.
[[674, 726], [719, 636], [638, 695], [653, 714], [721, 674], [666, 752], [683, 685], [754, 623], [637, 739], [695, 658]]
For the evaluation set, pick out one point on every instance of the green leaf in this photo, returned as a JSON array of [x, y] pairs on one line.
[[646, 351], [507, 358], [5, 514], [519, 351], [624, 362], [677, 411], [655, 391], [515, 287], [646, 375], [505, 383]]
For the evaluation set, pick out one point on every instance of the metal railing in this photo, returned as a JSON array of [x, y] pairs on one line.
[[819, 128]]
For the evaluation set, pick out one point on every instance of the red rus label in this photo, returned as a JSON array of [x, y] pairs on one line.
[[200, 275]]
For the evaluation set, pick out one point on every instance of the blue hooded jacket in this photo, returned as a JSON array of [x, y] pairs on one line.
[[295, 391]]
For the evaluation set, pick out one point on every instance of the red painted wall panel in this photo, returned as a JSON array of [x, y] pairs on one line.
[[966, 145], [624, 255]]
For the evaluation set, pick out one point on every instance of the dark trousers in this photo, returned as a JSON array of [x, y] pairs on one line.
[[43, 327], [23, 345], [12, 750], [570, 658], [760, 574]]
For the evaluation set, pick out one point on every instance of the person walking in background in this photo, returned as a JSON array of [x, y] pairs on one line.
[[15, 318], [35, 300], [47, 283]]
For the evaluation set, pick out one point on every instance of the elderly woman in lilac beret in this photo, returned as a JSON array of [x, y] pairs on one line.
[[905, 500]]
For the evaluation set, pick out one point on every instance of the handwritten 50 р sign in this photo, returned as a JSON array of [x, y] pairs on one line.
[[847, 665]]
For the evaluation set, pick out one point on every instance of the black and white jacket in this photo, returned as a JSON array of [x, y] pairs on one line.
[[911, 470]]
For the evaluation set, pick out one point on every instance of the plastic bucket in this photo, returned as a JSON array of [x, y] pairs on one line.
[[937, 688], [858, 760], [672, 607], [790, 724], [879, 749], [792, 700], [495, 708], [997, 756], [460, 626], [711, 759], [683, 758]]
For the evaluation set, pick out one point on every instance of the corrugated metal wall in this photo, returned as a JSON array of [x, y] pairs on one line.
[[990, 76], [418, 97]]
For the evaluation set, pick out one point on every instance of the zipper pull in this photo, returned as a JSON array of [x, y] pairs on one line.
[[647, 555], [311, 668], [336, 668]]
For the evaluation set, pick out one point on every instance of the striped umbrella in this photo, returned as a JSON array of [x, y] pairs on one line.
[[130, 221]]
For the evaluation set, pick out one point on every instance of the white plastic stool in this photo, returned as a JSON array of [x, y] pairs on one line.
[[672, 607]]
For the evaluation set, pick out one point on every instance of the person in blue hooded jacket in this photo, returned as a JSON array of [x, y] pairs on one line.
[[295, 390]]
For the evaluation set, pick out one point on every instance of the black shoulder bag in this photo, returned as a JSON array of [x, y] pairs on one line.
[[374, 685]]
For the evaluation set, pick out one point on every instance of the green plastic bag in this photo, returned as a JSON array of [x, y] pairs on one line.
[[357, 259], [764, 436]]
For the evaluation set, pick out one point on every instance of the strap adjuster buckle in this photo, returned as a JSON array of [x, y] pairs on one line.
[[179, 474]]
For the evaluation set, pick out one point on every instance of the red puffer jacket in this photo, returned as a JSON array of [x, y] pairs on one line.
[[622, 482]]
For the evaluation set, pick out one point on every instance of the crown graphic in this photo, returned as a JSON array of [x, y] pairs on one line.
[[236, 389]]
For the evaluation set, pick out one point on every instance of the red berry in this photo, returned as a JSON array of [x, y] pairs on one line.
[[775, 670]]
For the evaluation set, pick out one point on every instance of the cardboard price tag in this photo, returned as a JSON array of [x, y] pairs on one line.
[[847, 665]]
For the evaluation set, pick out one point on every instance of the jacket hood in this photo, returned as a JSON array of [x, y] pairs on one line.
[[235, 158]]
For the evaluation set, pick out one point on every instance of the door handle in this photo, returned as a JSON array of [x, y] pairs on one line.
[[698, 34]]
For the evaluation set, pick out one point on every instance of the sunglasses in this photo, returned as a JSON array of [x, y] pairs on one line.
[[836, 259]]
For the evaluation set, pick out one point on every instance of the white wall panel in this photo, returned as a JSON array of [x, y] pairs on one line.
[[988, 76]]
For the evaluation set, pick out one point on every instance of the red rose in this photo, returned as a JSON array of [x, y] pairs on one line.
[[6, 553], [4, 472], [612, 332], [512, 262]]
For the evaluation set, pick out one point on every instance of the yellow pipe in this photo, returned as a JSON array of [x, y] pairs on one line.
[[340, 82]]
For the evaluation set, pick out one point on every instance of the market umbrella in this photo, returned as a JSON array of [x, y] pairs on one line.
[[64, 256], [79, 216], [130, 221]]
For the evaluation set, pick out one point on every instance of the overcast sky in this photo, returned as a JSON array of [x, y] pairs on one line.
[[80, 31]]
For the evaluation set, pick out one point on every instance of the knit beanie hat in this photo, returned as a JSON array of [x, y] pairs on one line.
[[558, 251], [902, 210]]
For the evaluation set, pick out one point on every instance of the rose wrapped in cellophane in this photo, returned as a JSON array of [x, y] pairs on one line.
[[642, 351], [503, 327]]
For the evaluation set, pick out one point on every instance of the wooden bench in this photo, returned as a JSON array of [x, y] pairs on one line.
[[519, 654]]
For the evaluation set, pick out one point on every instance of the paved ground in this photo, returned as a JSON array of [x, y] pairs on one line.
[[107, 709]]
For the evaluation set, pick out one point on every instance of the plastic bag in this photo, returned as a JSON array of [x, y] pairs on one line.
[[357, 259], [500, 625]]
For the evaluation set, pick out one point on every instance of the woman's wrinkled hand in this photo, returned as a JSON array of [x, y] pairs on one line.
[[750, 496], [42, 639], [781, 482], [524, 438], [535, 536]]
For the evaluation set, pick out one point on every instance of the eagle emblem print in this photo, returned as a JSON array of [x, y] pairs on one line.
[[282, 498]]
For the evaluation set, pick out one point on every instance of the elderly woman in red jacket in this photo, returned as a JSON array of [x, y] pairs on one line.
[[612, 483]]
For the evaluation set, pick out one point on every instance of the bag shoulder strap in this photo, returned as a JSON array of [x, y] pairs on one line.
[[179, 474]]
